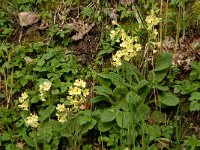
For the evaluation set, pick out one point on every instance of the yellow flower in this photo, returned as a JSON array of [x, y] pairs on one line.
[[42, 97], [45, 86], [119, 54], [80, 83], [75, 103], [61, 107], [21, 100], [62, 118], [28, 59], [152, 20], [113, 33], [132, 54], [127, 57], [117, 62], [149, 19], [154, 51], [24, 105], [32, 121], [74, 91], [70, 97], [114, 22], [24, 95], [85, 92], [71, 90], [137, 47]]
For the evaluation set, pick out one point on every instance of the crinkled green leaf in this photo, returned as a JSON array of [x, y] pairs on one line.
[[133, 98], [108, 115], [116, 79], [124, 119], [194, 106], [47, 112], [104, 126], [168, 99], [103, 89], [195, 96], [163, 61]]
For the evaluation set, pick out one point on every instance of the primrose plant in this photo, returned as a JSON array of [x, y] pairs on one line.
[[129, 46], [77, 97]]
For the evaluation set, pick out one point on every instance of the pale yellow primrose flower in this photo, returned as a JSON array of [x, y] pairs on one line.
[[152, 20], [113, 33], [24, 102], [61, 107], [45, 86], [28, 59], [42, 97], [75, 103], [21, 100], [85, 92], [137, 47], [80, 83], [32, 121], [74, 91], [24, 95], [24, 105], [62, 117]]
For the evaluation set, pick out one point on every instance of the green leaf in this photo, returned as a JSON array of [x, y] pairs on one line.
[[163, 61], [55, 92], [11, 147], [104, 126], [30, 141], [84, 119], [88, 126], [193, 141], [124, 119], [87, 11], [168, 99], [103, 89], [46, 147], [157, 76], [154, 132], [141, 84], [98, 99], [133, 98], [116, 79], [158, 116], [131, 70], [45, 132], [47, 112], [162, 88], [194, 106], [195, 96], [108, 115], [107, 49], [120, 92], [40, 62]]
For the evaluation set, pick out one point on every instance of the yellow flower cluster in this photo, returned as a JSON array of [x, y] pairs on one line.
[[77, 96], [44, 87], [152, 21], [32, 121], [24, 101], [129, 46], [78, 93], [61, 113]]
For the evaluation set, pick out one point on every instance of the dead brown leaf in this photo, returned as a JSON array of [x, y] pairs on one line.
[[27, 18], [81, 28], [168, 43]]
